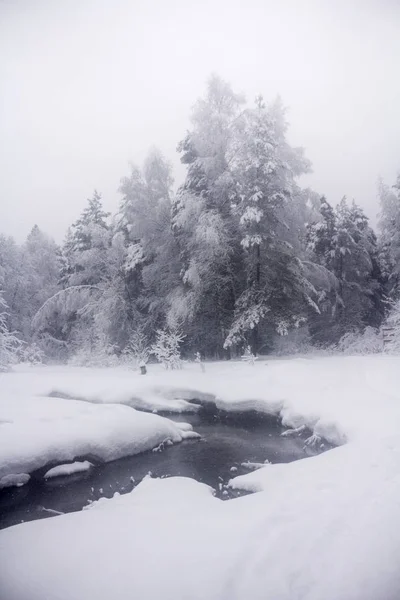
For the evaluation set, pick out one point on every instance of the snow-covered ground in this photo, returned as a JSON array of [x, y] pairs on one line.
[[326, 527], [38, 432]]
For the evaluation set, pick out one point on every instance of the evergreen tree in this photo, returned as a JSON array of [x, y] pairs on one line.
[[389, 242], [354, 262], [321, 247], [71, 317], [9, 342], [263, 168], [151, 266], [86, 246], [240, 254], [204, 225], [13, 277], [322, 232], [41, 257]]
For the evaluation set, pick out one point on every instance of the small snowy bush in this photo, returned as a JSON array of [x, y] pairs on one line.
[[54, 350], [89, 358], [137, 351], [166, 348], [296, 341], [393, 321], [99, 353], [367, 342], [199, 361], [32, 354], [248, 356]]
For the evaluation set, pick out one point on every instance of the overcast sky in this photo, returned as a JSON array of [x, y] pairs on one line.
[[87, 86]]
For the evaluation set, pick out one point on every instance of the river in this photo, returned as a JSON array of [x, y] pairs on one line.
[[228, 440]]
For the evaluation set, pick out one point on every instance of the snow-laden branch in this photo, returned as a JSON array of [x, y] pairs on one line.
[[66, 301], [319, 276]]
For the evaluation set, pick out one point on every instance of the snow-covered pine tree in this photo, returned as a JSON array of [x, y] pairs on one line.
[[86, 245], [263, 169], [166, 348], [82, 314], [152, 261], [389, 239], [41, 258], [321, 232], [354, 263], [13, 278], [9, 342], [320, 244], [204, 225]]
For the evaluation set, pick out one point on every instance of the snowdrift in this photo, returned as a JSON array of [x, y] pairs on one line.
[[37, 433]]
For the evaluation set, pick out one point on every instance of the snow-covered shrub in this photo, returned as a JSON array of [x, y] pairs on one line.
[[296, 341], [199, 361], [95, 353], [137, 351], [367, 342], [9, 343], [32, 354], [166, 348], [89, 358], [393, 321], [54, 350], [248, 356]]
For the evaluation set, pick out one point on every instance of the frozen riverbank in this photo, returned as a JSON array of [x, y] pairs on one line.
[[323, 527], [227, 441]]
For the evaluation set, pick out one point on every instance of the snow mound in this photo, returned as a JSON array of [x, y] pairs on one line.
[[16, 480], [68, 469], [46, 432], [338, 398]]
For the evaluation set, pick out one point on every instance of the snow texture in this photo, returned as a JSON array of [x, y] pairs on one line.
[[40, 432], [323, 527]]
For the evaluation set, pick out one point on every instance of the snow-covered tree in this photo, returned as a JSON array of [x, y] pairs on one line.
[[74, 316], [13, 277], [41, 258], [343, 242], [28, 276], [263, 169], [9, 342], [85, 249], [353, 259], [321, 233], [204, 225], [137, 350], [239, 255], [389, 241], [152, 261], [166, 348]]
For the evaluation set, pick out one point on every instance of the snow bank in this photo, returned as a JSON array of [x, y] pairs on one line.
[[324, 527], [68, 469], [338, 398], [38, 432], [105, 386], [15, 479]]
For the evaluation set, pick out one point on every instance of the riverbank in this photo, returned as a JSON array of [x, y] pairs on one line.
[[322, 527]]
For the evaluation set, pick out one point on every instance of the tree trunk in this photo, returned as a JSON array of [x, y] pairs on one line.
[[258, 265], [254, 342]]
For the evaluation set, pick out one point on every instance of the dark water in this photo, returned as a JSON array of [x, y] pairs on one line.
[[227, 441]]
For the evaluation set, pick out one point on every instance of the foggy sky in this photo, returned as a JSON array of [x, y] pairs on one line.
[[88, 86]]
